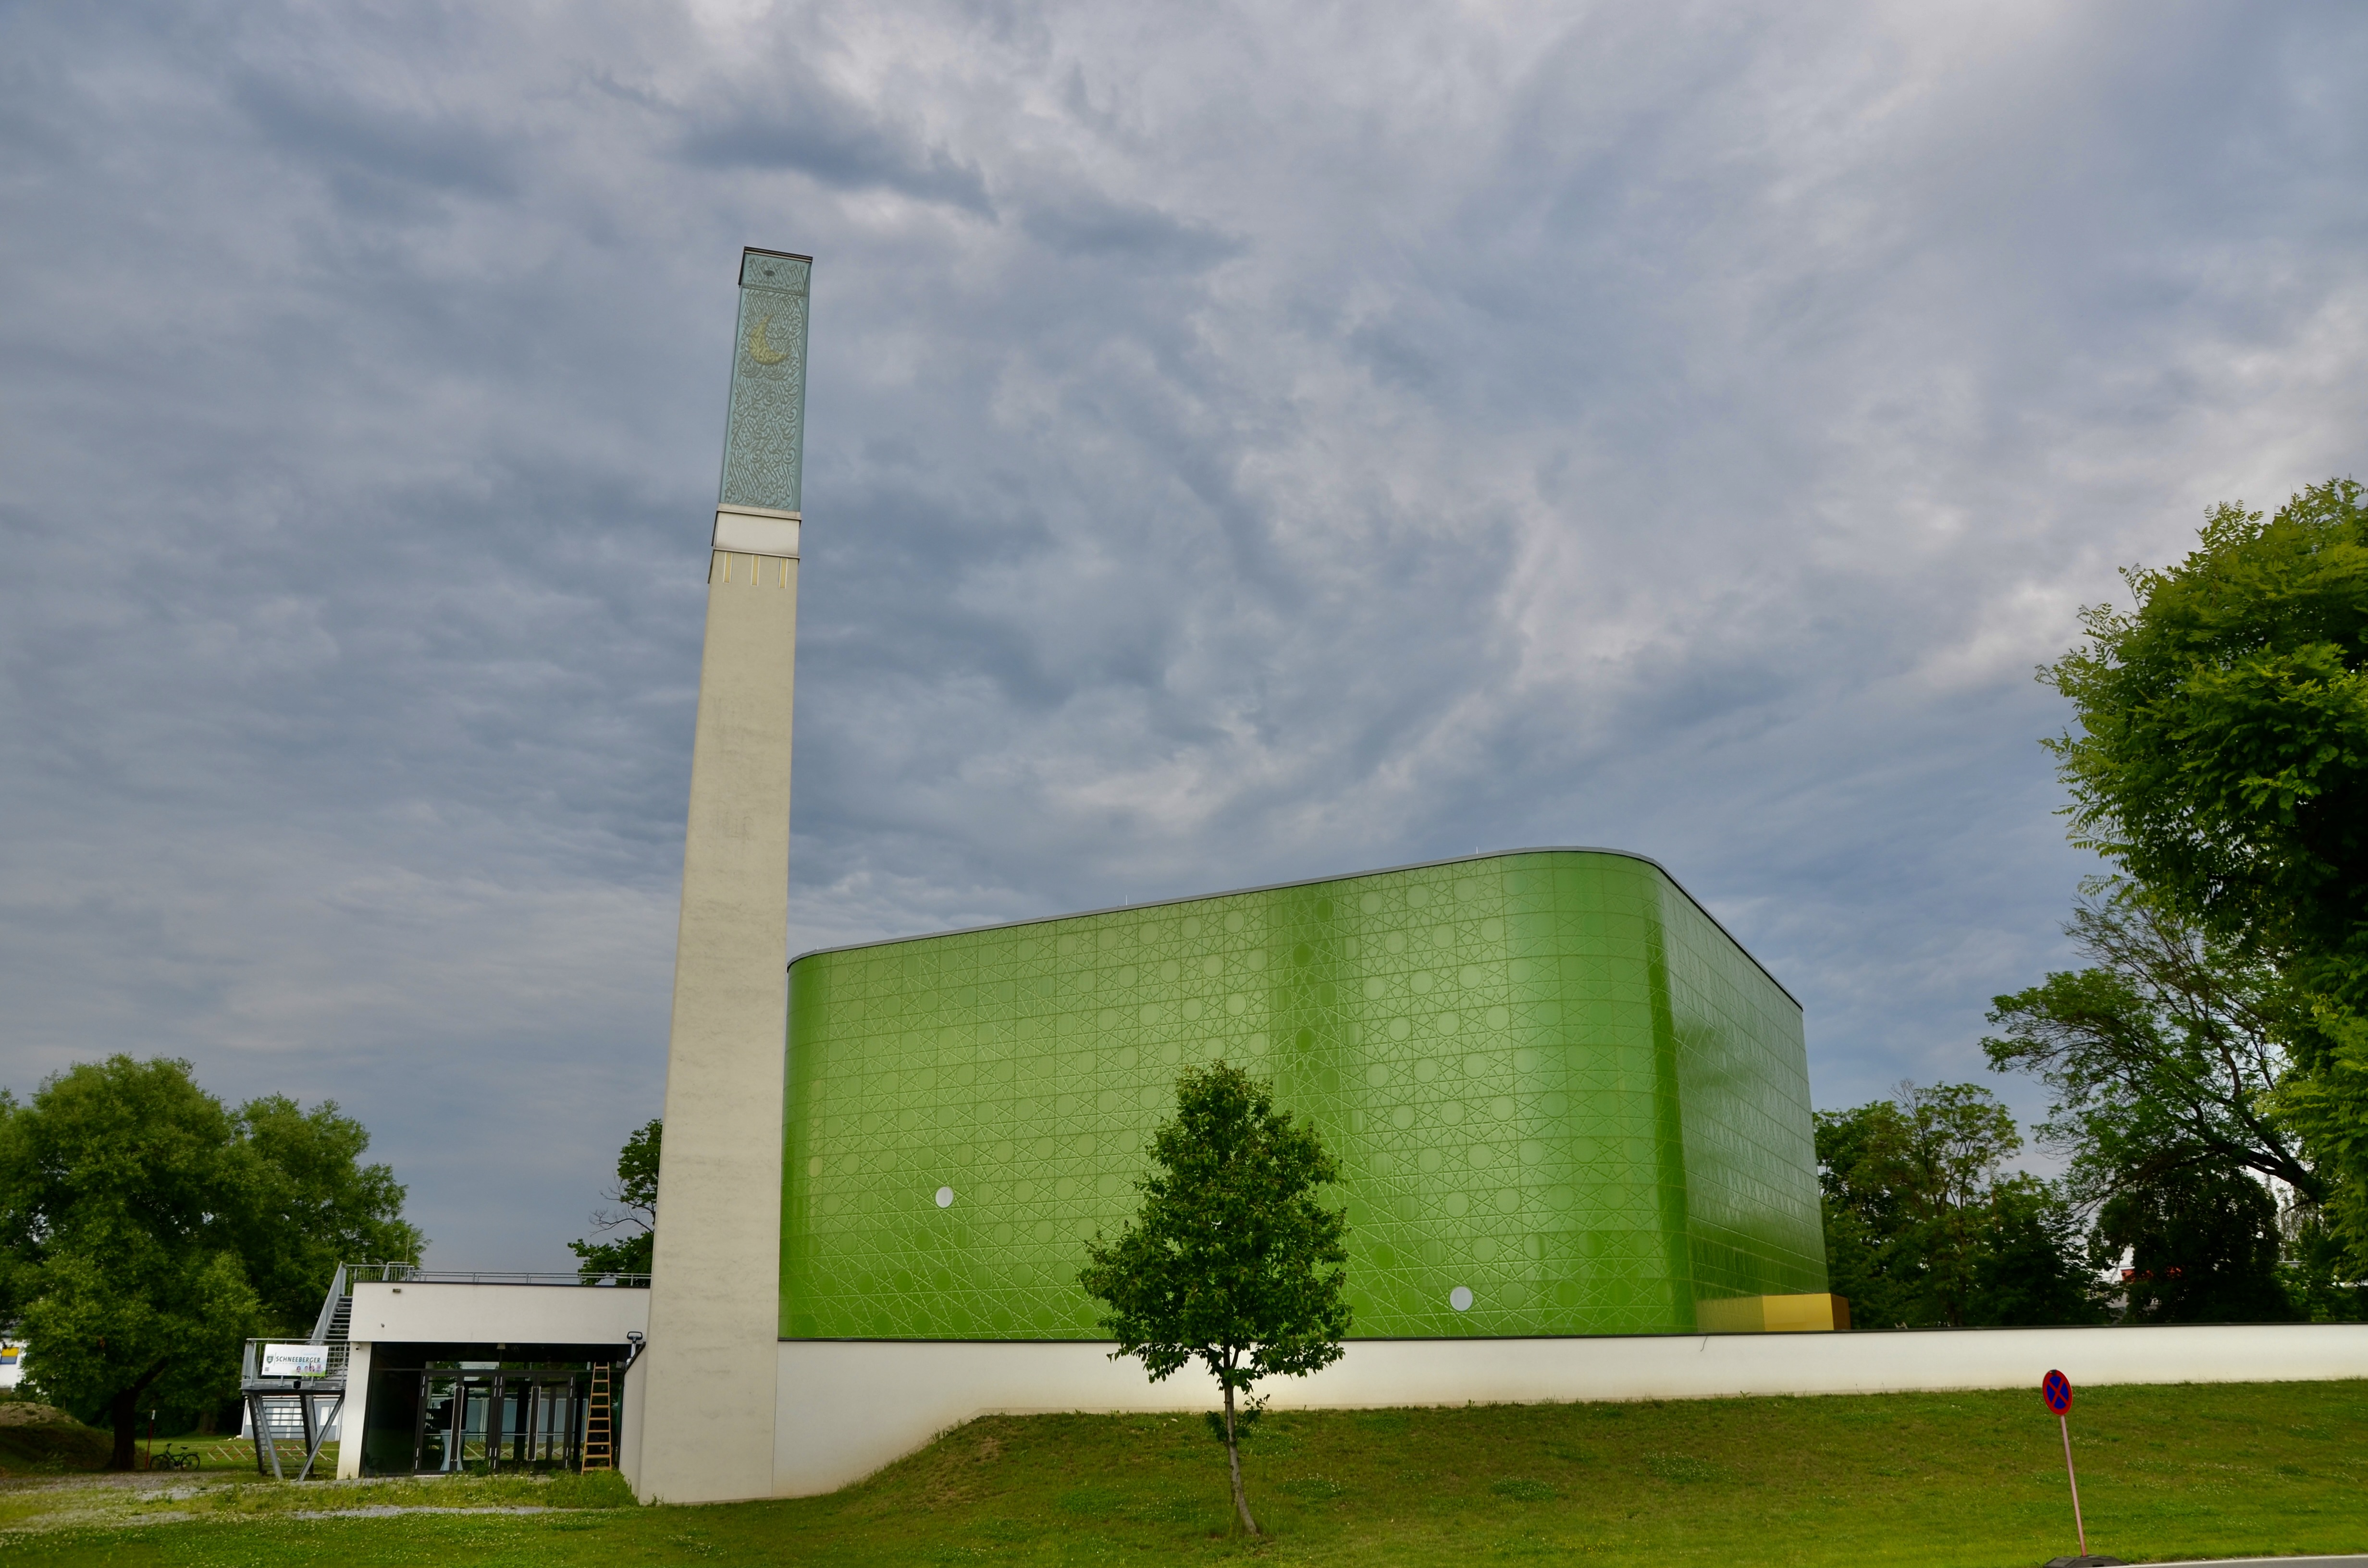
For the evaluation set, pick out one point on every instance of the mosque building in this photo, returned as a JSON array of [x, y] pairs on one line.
[[1571, 1115]]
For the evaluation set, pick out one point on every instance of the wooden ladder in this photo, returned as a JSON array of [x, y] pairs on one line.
[[599, 1437]]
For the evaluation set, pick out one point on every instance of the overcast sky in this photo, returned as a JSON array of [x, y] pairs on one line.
[[1247, 443]]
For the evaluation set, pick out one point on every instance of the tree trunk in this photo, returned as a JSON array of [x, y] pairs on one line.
[[124, 1408], [1234, 1462]]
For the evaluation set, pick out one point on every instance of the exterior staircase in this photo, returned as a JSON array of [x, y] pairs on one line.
[[336, 1312], [300, 1409]]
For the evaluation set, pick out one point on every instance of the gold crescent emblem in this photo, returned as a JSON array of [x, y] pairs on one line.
[[761, 351]]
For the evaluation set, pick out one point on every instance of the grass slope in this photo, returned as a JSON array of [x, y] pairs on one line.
[[1971, 1479], [42, 1440]]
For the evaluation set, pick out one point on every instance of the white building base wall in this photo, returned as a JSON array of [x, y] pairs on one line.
[[632, 1396], [848, 1407], [353, 1415]]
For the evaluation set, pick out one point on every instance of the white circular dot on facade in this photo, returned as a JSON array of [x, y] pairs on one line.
[[1460, 1299], [945, 1198]]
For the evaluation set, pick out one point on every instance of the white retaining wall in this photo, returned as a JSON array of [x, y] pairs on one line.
[[847, 1407]]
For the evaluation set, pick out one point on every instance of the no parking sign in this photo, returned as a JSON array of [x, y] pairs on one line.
[[2056, 1389]]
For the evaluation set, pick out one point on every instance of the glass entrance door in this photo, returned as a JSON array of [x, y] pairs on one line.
[[476, 1402], [486, 1420], [440, 1407], [550, 1427]]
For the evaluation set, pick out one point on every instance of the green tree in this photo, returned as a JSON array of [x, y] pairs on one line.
[[1866, 1182], [1922, 1229], [310, 1204], [2032, 1268], [2203, 1247], [138, 1215], [2220, 757], [2163, 1059], [636, 1195], [2316, 1275], [1231, 1258], [2163, 1054]]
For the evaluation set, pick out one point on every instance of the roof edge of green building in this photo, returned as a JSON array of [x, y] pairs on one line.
[[1317, 882]]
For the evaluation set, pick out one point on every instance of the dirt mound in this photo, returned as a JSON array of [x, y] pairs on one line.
[[43, 1437]]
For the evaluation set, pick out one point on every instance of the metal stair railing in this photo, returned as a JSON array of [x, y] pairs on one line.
[[340, 1291]]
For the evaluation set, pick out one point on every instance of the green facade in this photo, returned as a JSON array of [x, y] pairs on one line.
[[1551, 1079]]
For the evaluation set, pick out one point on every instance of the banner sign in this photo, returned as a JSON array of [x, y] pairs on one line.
[[295, 1361]]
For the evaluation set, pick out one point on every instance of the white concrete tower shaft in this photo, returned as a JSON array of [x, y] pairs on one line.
[[706, 1382]]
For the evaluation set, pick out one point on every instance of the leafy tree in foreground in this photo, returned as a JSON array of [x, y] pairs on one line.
[[145, 1231], [1231, 1258], [118, 1214], [636, 1195], [2221, 759]]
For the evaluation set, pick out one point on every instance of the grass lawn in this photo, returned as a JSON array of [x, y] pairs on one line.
[[1971, 1479]]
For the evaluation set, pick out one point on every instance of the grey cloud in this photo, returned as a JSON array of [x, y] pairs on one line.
[[1090, 225], [845, 146], [375, 152], [1242, 448]]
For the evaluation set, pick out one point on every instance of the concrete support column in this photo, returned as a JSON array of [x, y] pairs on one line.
[[353, 1417], [626, 1397], [703, 1411]]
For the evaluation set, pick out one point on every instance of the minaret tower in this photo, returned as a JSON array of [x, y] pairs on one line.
[[707, 1391]]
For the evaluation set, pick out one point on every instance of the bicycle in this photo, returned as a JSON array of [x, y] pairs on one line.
[[174, 1458]]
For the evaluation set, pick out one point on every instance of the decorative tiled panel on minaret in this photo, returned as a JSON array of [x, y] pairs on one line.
[[764, 445]]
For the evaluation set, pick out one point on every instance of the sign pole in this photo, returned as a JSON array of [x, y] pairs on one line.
[[2056, 1389], [2065, 1421]]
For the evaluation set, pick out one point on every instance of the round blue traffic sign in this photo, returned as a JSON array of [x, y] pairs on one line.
[[2056, 1389]]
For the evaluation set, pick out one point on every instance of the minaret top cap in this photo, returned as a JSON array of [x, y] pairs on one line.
[[775, 269]]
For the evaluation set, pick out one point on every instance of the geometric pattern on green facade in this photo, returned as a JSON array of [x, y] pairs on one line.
[[1550, 1080]]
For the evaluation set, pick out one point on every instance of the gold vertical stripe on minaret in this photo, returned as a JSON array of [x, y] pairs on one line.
[[730, 561]]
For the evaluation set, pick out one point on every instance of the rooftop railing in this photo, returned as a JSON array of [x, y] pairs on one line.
[[404, 1273]]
